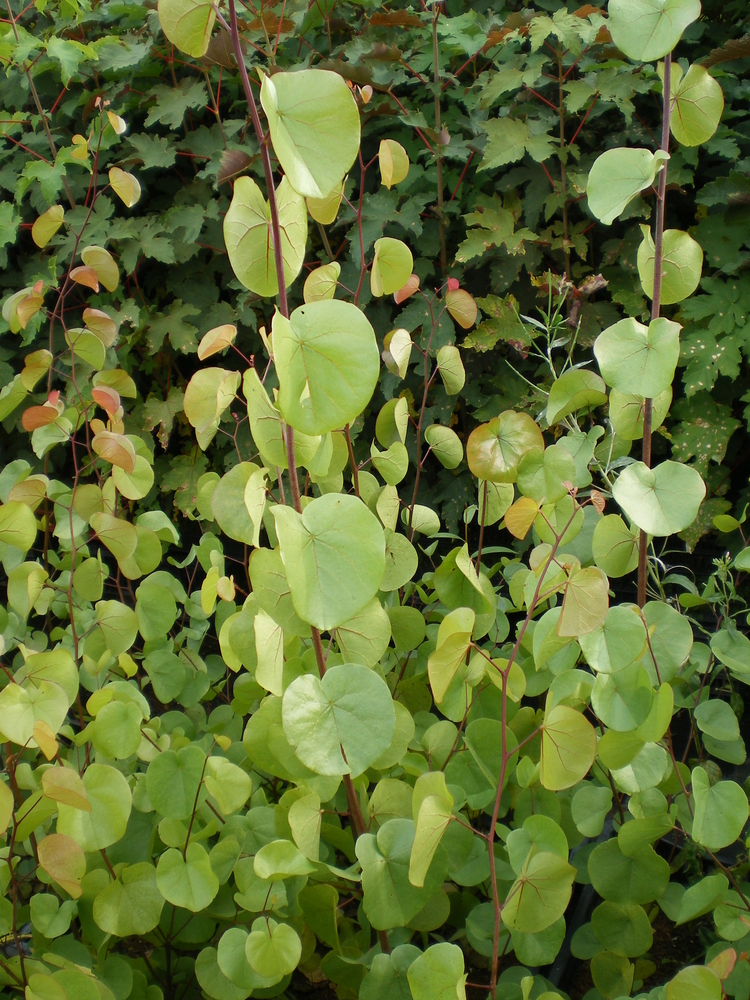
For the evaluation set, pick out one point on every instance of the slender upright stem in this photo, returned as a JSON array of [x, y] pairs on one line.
[[655, 308], [266, 158], [438, 151]]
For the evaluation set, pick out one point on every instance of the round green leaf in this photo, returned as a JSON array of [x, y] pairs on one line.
[[228, 504], [390, 900], [619, 641], [281, 859], [156, 610], [568, 748], [612, 974], [401, 561], [407, 627], [451, 369], [619, 175], [393, 161], [173, 779], [671, 639], [209, 392], [314, 124], [341, 723], [585, 603], [622, 700], [233, 963], [538, 833], [495, 449], [132, 905], [248, 235], [660, 501], [646, 30], [626, 411], [438, 974], [109, 796], [17, 525], [23, 706], [116, 731], [188, 882], [622, 928], [539, 897], [445, 444], [733, 649], [187, 24], [589, 808], [682, 264], [328, 363], [719, 811], [136, 484], [577, 389], [391, 267], [213, 981], [697, 105], [696, 982], [629, 880], [334, 553], [392, 464], [542, 474], [273, 949], [321, 283], [615, 546], [639, 359], [364, 638]]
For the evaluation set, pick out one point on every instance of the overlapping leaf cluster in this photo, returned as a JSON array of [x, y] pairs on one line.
[[341, 679]]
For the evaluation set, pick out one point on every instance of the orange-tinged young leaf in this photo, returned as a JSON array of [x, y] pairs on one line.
[[38, 416], [520, 516], [31, 491], [125, 186], [115, 449], [101, 324], [47, 225], [28, 307], [62, 784], [723, 963], [462, 307], [45, 739], [409, 289], [87, 276], [216, 340], [103, 264], [64, 861], [108, 399], [36, 365]]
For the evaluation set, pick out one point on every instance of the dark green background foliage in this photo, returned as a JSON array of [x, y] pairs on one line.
[[178, 820]]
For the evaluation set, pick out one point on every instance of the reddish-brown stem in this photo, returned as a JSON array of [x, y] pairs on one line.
[[655, 309], [265, 156]]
